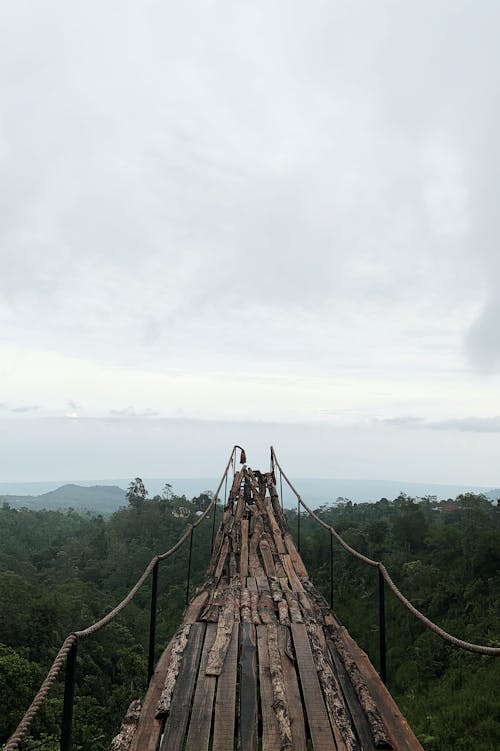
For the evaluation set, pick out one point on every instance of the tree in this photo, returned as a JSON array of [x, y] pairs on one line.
[[202, 501], [136, 494]]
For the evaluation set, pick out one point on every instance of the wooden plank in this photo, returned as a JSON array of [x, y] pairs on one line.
[[319, 723], [355, 709], [244, 550], [294, 554], [292, 690], [248, 690], [294, 580], [223, 636], [225, 703], [195, 607], [222, 560], [338, 712], [273, 524], [201, 715], [267, 557], [270, 729], [399, 732], [175, 726], [149, 728]]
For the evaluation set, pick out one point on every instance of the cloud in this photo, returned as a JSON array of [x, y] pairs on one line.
[[463, 424], [131, 413], [483, 338], [469, 424], [27, 408]]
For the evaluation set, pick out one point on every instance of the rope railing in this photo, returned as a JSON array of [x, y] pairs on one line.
[[68, 648], [385, 576]]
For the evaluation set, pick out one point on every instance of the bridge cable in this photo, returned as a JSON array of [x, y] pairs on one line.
[[455, 641], [73, 638]]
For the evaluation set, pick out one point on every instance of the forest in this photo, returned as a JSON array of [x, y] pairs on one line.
[[62, 570]]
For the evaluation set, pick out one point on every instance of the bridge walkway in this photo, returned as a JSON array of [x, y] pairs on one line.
[[260, 661]]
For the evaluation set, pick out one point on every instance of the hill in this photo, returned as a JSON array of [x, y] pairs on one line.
[[102, 499]]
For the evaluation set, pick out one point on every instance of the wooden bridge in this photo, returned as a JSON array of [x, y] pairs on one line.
[[260, 661]]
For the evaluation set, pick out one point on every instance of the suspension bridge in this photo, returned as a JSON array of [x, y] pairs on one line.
[[259, 661]]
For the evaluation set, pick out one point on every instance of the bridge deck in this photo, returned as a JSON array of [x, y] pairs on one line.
[[260, 661]]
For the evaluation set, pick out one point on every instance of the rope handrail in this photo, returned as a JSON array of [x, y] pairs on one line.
[[73, 638], [478, 648]]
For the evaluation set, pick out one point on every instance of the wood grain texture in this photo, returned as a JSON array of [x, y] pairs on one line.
[[175, 726], [225, 703], [317, 715], [200, 722], [248, 689]]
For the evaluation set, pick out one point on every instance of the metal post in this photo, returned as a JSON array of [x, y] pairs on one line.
[[298, 525], [331, 570], [381, 626], [189, 565], [69, 697], [152, 623], [281, 489], [213, 525]]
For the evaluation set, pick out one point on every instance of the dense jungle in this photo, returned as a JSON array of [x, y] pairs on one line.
[[61, 570]]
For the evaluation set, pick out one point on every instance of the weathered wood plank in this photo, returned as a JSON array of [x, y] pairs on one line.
[[222, 559], [267, 557], [294, 580], [175, 726], [225, 703], [223, 637], [292, 690], [294, 554], [195, 607], [201, 714], [179, 644], [270, 729], [317, 715], [248, 690], [147, 735], [123, 739], [358, 716], [338, 712], [244, 550], [275, 530], [400, 735]]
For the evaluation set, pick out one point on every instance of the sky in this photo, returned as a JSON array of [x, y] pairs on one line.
[[266, 223]]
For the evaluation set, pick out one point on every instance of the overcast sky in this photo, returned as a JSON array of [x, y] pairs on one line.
[[280, 219]]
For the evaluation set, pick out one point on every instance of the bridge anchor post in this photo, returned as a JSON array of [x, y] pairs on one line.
[[69, 698], [381, 624], [152, 623], [189, 565]]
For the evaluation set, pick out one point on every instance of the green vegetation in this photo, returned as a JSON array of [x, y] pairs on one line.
[[60, 571], [445, 557]]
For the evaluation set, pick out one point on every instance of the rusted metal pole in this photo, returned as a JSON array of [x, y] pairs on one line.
[[189, 565], [298, 525], [69, 698], [381, 627], [331, 570], [152, 623]]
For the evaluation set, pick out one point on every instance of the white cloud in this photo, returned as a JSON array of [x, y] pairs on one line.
[[197, 197]]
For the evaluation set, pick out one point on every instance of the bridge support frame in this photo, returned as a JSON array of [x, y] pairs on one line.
[[381, 624], [188, 581], [152, 623], [69, 698]]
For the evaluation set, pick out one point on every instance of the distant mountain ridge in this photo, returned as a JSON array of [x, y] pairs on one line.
[[96, 498], [105, 498]]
